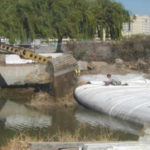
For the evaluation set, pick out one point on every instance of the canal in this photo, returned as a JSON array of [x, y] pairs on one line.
[[60, 123]]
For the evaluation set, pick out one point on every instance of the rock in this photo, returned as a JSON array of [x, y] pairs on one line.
[[141, 62], [90, 66], [133, 67], [142, 65], [119, 61], [83, 65]]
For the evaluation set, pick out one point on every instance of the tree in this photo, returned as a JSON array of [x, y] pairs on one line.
[[73, 19], [24, 19], [29, 19], [8, 21], [111, 16]]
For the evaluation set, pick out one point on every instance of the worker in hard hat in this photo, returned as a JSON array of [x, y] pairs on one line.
[[77, 72]]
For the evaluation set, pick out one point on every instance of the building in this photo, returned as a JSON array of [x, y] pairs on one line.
[[139, 25]]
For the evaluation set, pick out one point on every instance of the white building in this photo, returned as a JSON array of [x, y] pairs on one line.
[[139, 25]]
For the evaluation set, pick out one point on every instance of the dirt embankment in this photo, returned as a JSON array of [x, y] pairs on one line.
[[101, 67], [133, 53], [43, 100], [39, 100], [128, 49]]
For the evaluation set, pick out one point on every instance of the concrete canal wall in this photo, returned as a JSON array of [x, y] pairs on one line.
[[59, 74], [23, 74]]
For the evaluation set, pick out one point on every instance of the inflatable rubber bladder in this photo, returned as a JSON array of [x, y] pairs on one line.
[[130, 102]]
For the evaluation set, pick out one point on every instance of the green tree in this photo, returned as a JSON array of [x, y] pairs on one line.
[[8, 21], [29, 19], [109, 16], [73, 19], [24, 19]]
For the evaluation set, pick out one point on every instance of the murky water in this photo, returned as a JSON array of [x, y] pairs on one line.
[[16, 118]]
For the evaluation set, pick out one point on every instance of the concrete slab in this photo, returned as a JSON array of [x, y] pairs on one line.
[[55, 145], [15, 59], [24, 74], [117, 146], [89, 146]]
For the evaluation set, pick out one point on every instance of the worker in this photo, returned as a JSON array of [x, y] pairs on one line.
[[77, 72], [112, 81], [94, 55]]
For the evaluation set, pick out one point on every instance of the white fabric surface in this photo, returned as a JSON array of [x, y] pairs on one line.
[[126, 102]]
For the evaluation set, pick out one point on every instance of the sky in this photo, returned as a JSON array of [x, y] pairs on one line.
[[141, 7]]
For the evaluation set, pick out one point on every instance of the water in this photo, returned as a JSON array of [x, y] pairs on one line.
[[16, 118]]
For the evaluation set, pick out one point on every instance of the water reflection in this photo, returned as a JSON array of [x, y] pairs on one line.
[[84, 115], [16, 116]]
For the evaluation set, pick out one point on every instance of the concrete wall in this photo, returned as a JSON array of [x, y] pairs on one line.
[[85, 50], [64, 84], [59, 74], [23, 74]]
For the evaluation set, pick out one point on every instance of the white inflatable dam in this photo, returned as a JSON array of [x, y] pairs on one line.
[[130, 102]]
